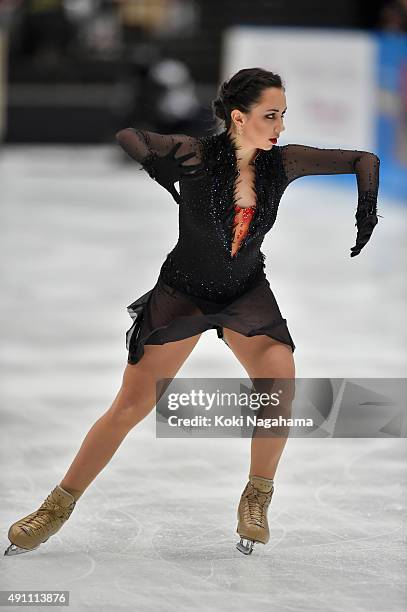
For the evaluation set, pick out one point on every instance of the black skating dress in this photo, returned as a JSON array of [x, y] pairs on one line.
[[201, 285]]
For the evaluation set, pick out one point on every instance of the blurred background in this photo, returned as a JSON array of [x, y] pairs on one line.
[[76, 71], [83, 234]]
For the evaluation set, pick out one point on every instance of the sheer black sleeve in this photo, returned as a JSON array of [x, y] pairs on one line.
[[299, 160], [143, 145]]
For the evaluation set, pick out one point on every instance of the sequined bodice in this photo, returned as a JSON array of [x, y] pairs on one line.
[[217, 256]]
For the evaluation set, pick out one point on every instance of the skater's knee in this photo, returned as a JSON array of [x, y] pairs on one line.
[[140, 391], [128, 414], [133, 404]]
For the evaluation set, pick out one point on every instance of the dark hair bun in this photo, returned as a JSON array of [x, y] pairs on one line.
[[219, 109], [243, 90]]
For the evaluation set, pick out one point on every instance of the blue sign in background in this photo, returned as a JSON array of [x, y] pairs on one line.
[[391, 122], [392, 117]]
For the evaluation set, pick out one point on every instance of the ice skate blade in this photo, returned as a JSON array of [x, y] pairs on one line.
[[247, 548], [17, 550]]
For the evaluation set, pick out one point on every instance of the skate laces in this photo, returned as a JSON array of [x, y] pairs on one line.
[[49, 513], [256, 504]]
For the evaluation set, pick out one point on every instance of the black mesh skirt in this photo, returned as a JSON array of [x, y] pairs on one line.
[[165, 314]]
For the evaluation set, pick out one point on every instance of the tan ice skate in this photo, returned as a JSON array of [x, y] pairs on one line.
[[36, 528], [252, 513]]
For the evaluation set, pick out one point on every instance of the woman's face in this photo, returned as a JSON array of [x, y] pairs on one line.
[[264, 122]]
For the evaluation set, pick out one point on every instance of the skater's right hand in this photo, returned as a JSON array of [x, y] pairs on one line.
[[365, 227], [366, 221], [168, 169]]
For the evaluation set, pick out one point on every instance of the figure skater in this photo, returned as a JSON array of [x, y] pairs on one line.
[[230, 186]]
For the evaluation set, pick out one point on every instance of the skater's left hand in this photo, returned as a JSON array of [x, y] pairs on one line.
[[168, 169], [366, 221]]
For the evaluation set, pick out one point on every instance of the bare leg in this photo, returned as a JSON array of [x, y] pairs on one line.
[[135, 399], [264, 358]]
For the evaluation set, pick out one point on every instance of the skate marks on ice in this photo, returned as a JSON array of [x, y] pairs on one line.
[[126, 552], [352, 526], [311, 551], [163, 539]]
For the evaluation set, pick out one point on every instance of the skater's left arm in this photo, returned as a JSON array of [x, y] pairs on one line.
[[299, 160]]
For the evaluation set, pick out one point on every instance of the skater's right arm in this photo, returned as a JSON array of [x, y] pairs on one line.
[[157, 155], [300, 160]]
